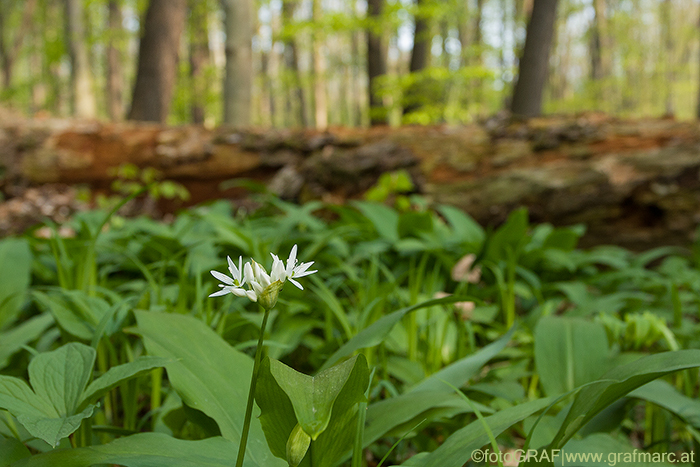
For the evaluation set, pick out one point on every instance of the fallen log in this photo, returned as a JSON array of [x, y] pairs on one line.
[[632, 182]]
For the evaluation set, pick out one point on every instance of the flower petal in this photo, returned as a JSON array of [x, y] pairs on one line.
[[252, 295], [235, 273], [248, 274], [278, 272], [304, 274], [295, 283], [222, 277], [219, 293], [238, 292], [292, 260]]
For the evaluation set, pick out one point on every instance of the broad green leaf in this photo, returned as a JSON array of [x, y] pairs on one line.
[[337, 440], [11, 451], [432, 392], [208, 374], [11, 341], [456, 450], [602, 449], [664, 395], [143, 450], [65, 316], [569, 352], [414, 223], [117, 375], [325, 406], [277, 415], [459, 372], [60, 376], [16, 258], [390, 415], [509, 237], [376, 332], [464, 226], [617, 383], [18, 398], [313, 396], [58, 379], [54, 429], [383, 218]]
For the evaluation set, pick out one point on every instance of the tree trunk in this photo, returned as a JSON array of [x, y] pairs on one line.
[[419, 58], [319, 71], [158, 60], [355, 88], [84, 105], [667, 40], [9, 53], [199, 57], [238, 82], [697, 108], [532, 73], [4, 53], [600, 52], [376, 61], [115, 82], [292, 63]]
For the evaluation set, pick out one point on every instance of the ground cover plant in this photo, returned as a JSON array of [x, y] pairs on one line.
[[421, 338]]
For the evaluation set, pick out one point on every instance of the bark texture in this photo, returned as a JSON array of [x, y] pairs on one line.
[[238, 81], [376, 61], [319, 73], [534, 64], [296, 99], [115, 80], [419, 58], [9, 52], [199, 57], [158, 59], [632, 182], [84, 104]]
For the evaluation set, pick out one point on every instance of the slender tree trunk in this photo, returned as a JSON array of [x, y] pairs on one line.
[[376, 61], [36, 62], [115, 80], [199, 57], [697, 108], [10, 52], [265, 105], [238, 82], [84, 105], [419, 58], [355, 87], [319, 71], [4, 53], [532, 76], [600, 52], [292, 63], [158, 60], [667, 40]]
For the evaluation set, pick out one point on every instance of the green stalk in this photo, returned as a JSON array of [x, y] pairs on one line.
[[251, 392], [156, 386]]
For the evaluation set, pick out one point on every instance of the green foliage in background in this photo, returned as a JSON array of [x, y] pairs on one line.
[[129, 362]]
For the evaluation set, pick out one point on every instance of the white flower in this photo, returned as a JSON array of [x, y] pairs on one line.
[[263, 287], [235, 283], [293, 271]]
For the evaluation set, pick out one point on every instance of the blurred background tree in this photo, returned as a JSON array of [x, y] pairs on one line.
[[319, 63]]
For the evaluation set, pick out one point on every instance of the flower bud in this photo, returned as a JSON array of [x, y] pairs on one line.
[[268, 297], [297, 445]]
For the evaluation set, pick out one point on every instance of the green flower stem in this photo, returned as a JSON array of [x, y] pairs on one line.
[[251, 393]]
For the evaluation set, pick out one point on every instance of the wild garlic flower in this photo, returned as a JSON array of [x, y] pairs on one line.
[[263, 287], [293, 271], [235, 283]]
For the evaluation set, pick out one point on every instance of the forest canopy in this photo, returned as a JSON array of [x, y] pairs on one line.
[[315, 63]]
